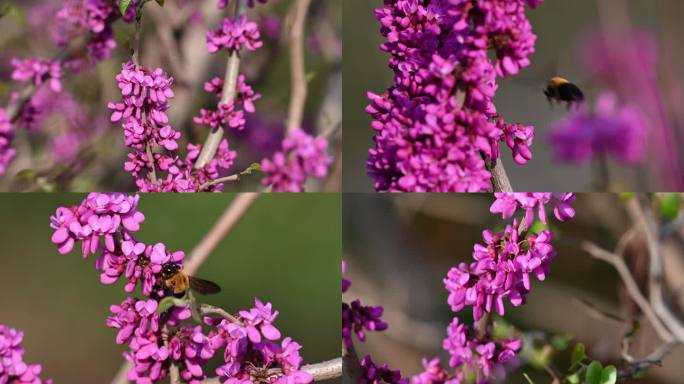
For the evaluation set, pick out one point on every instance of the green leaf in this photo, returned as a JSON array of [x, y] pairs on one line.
[[538, 226], [669, 205], [573, 379], [528, 378], [561, 342], [609, 375], [254, 167], [578, 354], [160, 2], [594, 371], [123, 6], [626, 196]]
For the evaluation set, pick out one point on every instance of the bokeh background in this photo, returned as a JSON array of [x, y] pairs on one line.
[[91, 152], [285, 250], [561, 27], [399, 248]]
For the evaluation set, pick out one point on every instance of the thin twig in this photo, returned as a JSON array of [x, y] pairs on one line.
[[220, 180], [297, 65], [326, 370], [632, 288], [174, 373], [637, 365], [228, 93], [230, 217]]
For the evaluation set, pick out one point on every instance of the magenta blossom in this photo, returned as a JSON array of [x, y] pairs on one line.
[[437, 124], [38, 72], [302, 156], [234, 35], [7, 153], [612, 129], [13, 369], [507, 203]]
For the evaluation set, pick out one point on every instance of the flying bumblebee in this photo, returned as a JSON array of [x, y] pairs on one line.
[[562, 90], [177, 281]]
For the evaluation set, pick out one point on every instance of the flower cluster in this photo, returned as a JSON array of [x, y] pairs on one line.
[[357, 319], [612, 129], [142, 111], [94, 17], [104, 224], [437, 124], [6, 137], [72, 20], [481, 356], [38, 71], [232, 113], [234, 35], [13, 369], [301, 156], [500, 271]]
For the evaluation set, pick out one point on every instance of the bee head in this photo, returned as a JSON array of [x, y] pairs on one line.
[[169, 269]]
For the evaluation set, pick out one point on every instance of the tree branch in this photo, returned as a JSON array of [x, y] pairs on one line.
[[300, 9], [326, 370], [500, 182], [223, 226], [227, 95], [352, 365]]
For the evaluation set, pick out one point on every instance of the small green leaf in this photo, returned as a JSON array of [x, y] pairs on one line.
[[123, 6], [609, 375], [528, 378], [594, 371], [26, 175], [254, 167], [160, 2], [669, 205], [538, 226], [578, 354], [573, 379], [561, 342]]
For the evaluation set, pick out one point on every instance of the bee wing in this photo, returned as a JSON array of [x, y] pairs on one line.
[[204, 287]]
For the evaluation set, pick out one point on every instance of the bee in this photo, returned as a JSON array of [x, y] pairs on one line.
[[562, 90], [178, 281]]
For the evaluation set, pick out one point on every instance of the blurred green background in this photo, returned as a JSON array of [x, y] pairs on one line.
[[285, 250], [560, 27]]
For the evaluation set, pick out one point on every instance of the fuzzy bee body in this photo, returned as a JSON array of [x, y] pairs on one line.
[[562, 90], [178, 282]]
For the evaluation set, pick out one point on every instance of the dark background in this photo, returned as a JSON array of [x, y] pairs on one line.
[[286, 250]]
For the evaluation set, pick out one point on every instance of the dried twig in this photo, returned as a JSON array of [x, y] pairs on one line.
[[326, 370]]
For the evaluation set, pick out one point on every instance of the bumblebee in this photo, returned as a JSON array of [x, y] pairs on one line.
[[177, 281], [562, 90]]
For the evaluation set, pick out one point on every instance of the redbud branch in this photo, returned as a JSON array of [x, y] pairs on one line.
[[300, 8], [230, 217], [174, 374], [326, 370], [500, 182], [227, 95], [637, 365]]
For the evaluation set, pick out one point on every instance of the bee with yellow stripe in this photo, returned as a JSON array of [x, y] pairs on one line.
[[562, 90], [178, 282]]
